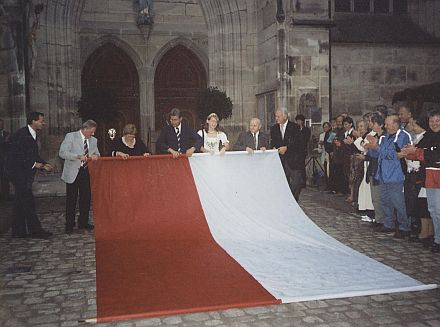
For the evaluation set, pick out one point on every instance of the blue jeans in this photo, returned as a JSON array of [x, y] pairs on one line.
[[433, 195], [392, 197]]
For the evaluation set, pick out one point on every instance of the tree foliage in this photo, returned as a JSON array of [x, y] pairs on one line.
[[213, 100], [97, 104]]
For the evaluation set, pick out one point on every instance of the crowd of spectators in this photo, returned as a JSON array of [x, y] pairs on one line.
[[387, 165]]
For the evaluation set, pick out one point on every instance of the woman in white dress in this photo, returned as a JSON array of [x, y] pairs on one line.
[[214, 140]]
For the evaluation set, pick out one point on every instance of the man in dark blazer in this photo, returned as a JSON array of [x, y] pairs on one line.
[[177, 137], [253, 139], [76, 149], [4, 182], [22, 162], [285, 137]]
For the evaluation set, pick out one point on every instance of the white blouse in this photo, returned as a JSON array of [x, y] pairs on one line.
[[212, 144]]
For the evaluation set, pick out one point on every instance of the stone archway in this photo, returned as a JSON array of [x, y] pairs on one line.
[[110, 68], [179, 77]]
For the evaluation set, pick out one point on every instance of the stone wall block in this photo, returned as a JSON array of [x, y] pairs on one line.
[[414, 74], [382, 55], [167, 8], [96, 6], [109, 19], [354, 106], [387, 92], [371, 75], [121, 6], [183, 20], [193, 10], [409, 56], [340, 56], [268, 14], [395, 75], [324, 85], [432, 74], [306, 65]]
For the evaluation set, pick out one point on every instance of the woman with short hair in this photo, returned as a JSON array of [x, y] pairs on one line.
[[128, 145]]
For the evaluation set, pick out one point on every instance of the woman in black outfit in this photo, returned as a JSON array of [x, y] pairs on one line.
[[128, 144]]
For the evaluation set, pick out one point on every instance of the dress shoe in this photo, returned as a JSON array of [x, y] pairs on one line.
[[383, 229], [68, 230], [87, 227], [41, 234], [435, 247], [427, 241], [19, 235], [401, 234]]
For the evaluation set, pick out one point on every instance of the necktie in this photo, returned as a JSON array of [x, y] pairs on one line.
[[282, 131], [178, 139], [255, 140], [86, 153]]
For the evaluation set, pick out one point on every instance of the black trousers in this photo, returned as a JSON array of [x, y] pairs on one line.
[[4, 182], [25, 219], [295, 180], [81, 187]]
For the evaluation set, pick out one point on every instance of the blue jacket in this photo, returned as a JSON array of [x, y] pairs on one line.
[[389, 166]]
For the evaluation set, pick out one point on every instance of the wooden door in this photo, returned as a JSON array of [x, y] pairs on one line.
[[179, 78], [111, 69]]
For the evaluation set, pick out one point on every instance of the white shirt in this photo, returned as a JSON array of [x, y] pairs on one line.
[[34, 135], [348, 132], [33, 132], [283, 129], [84, 138], [256, 138], [178, 127]]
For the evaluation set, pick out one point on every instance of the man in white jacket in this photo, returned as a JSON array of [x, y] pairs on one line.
[[77, 148]]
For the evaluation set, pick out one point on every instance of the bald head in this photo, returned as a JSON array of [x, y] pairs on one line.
[[254, 125]]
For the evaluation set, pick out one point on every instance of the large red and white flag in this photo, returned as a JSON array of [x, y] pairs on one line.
[[215, 232]]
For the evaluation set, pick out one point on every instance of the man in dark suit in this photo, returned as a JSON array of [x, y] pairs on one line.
[[177, 137], [253, 139], [22, 163], [286, 139], [4, 182], [306, 133], [76, 149]]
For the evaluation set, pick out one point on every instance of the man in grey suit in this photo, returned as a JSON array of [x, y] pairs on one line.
[[253, 139], [77, 148]]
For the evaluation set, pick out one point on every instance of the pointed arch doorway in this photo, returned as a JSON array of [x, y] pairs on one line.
[[111, 69], [179, 78]]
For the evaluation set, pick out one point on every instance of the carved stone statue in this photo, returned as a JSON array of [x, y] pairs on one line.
[[145, 13]]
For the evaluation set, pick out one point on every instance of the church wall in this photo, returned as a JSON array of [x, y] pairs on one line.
[[307, 47], [425, 14], [364, 76]]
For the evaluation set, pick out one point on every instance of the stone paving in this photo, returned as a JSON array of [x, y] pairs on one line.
[[52, 282]]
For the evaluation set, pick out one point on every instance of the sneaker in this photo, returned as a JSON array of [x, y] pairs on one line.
[[366, 219], [435, 247]]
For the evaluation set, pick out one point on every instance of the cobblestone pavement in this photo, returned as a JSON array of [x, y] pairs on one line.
[[52, 282]]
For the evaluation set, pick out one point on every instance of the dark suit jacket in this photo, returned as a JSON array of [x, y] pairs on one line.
[[22, 154], [245, 139], [275, 135], [4, 139], [295, 156], [139, 148], [168, 139]]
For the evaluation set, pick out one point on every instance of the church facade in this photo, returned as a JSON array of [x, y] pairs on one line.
[[315, 57]]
